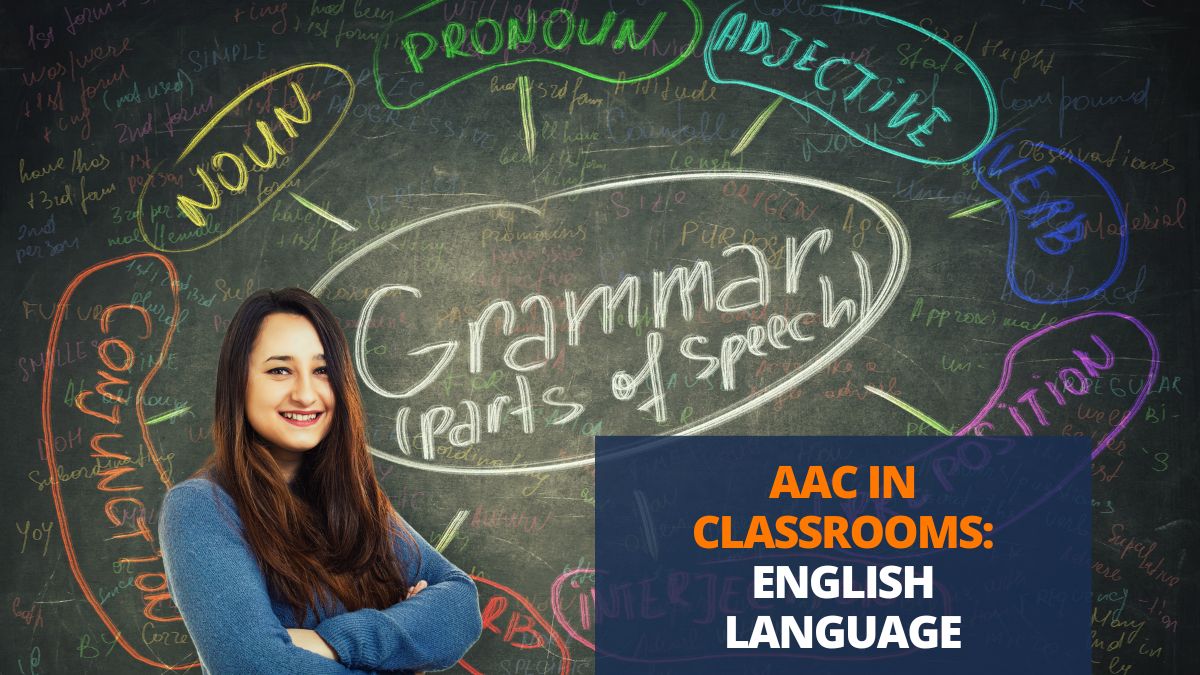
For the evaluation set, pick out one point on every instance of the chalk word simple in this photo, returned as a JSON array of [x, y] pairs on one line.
[[1057, 224], [846, 321], [736, 42], [128, 330], [552, 35], [1029, 403], [232, 168]]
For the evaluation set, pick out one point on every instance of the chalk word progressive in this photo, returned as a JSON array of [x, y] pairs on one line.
[[735, 40], [232, 168], [464, 424], [1029, 403], [129, 335], [1057, 224], [558, 35]]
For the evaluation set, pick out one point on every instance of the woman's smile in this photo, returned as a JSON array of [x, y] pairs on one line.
[[301, 418]]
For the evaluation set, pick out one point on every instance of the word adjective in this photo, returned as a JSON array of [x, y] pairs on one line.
[[741, 45]]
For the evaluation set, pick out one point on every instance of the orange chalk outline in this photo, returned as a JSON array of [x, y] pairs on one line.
[[47, 431]]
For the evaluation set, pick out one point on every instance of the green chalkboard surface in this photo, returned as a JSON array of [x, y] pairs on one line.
[[542, 222]]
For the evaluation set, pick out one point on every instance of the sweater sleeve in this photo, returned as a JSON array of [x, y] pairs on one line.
[[221, 593], [429, 631]]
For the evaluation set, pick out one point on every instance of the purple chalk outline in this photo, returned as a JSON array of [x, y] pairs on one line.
[[1006, 374]]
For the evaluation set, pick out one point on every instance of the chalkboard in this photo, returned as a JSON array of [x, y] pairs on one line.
[[543, 222]]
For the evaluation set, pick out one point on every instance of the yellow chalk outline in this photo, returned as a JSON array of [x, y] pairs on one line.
[[213, 122]]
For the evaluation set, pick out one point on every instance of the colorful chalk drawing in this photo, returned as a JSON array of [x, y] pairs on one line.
[[625, 38], [510, 618], [1060, 238], [1021, 409], [135, 549], [1075, 381], [727, 31], [876, 298], [192, 207]]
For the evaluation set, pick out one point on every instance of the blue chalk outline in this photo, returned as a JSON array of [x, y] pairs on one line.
[[986, 86], [1013, 230]]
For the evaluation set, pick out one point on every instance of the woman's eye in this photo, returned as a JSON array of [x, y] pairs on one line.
[[322, 371], [278, 371]]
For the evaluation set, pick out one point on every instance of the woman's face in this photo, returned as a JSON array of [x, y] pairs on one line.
[[289, 400]]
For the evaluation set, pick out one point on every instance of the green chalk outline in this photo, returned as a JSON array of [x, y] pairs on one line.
[[697, 32], [170, 414], [908, 409], [983, 83], [963, 213]]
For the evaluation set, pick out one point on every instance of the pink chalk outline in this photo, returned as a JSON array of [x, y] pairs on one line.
[[1006, 375]]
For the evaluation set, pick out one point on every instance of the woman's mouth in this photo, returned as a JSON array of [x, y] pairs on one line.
[[301, 419]]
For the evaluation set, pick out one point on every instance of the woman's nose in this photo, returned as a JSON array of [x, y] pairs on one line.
[[304, 390]]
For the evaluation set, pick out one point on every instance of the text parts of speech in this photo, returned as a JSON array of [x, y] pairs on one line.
[[820, 67], [662, 341], [1049, 207]]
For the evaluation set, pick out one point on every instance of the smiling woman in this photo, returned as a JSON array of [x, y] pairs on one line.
[[289, 400], [282, 553]]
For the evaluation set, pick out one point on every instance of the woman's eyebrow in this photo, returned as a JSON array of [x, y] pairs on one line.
[[288, 359]]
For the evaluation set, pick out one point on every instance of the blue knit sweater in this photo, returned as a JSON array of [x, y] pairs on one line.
[[221, 593]]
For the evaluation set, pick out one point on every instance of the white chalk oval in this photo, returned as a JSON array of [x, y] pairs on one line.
[[897, 238]]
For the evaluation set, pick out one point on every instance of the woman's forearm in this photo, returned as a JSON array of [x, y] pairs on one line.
[[311, 641]]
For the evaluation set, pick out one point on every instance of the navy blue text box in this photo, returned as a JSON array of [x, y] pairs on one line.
[[662, 601]]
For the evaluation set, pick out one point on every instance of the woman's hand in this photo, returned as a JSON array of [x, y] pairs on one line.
[[313, 642], [310, 640]]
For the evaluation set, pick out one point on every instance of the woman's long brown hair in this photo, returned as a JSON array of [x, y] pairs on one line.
[[328, 535]]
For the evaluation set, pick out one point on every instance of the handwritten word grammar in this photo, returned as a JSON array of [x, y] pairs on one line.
[[675, 294]]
